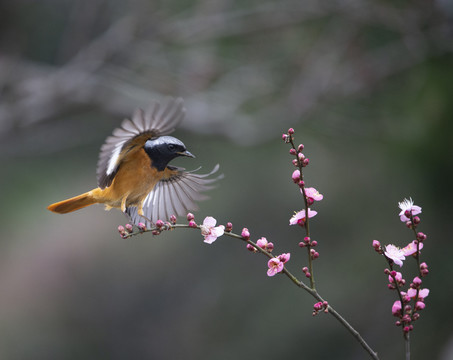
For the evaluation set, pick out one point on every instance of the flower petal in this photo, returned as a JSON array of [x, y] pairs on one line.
[[209, 221]]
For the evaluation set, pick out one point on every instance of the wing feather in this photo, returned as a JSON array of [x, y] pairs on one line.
[[156, 121], [174, 196]]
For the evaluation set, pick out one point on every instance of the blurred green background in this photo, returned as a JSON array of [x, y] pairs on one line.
[[368, 87]]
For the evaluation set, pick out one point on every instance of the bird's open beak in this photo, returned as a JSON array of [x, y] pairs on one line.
[[186, 153]]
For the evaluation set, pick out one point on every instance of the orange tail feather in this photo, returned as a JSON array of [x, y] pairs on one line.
[[73, 204]]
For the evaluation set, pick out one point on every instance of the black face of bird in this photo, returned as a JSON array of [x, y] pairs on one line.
[[163, 149]]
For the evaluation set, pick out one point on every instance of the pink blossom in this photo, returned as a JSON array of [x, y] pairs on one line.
[[313, 193], [408, 205], [396, 308], [210, 231], [284, 258], [394, 253], [299, 217], [411, 248], [264, 244], [275, 266], [422, 293]]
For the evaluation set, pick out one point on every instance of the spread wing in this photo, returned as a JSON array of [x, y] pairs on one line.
[[156, 121], [174, 195]]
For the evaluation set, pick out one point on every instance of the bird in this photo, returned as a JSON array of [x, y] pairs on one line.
[[133, 171]]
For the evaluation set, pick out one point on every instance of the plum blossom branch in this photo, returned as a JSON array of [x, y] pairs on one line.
[[276, 264], [309, 195], [402, 308]]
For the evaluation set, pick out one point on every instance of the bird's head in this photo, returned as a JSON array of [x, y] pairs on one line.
[[163, 149]]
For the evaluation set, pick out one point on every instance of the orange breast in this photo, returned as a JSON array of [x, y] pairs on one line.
[[135, 179]]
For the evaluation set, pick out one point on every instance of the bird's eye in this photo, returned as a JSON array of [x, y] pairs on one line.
[[171, 147]]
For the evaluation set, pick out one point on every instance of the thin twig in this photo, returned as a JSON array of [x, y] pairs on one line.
[[285, 271]]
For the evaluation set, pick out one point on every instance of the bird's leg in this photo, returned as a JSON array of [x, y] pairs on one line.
[[123, 204], [142, 214]]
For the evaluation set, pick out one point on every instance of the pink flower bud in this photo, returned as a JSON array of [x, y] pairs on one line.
[[141, 226], [251, 248], [417, 281], [284, 137], [376, 244], [192, 224], [314, 243], [393, 273], [159, 223], [301, 157], [307, 239], [245, 234], [305, 162], [307, 274], [229, 227], [155, 232], [310, 201], [300, 147], [423, 265], [290, 131], [292, 151], [421, 236], [317, 306], [301, 184], [296, 176], [129, 228], [420, 305], [295, 162], [396, 308], [262, 243], [121, 229], [173, 219], [305, 269], [190, 217], [416, 220], [302, 244], [270, 247], [409, 224]]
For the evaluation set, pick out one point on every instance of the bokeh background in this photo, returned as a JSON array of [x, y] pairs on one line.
[[366, 84]]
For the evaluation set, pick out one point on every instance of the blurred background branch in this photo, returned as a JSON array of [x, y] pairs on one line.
[[308, 53]]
